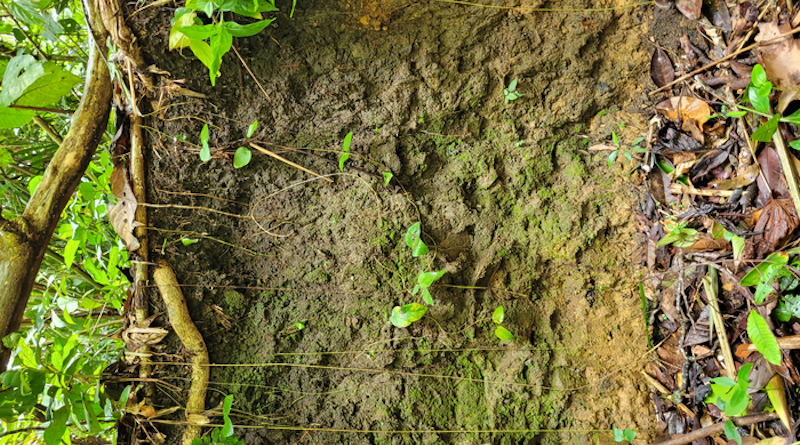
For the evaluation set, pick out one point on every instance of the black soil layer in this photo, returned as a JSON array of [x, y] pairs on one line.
[[514, 207]]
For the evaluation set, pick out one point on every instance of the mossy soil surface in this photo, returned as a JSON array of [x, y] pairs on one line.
[[515, 208]]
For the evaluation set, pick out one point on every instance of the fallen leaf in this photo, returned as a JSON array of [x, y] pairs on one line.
[[683, 109], [770, 164], [123, 214], [706, 163], [671, 141], [720, 16], [776, 391], [689, 8], [661, 70], [775, 222], [781, 57]]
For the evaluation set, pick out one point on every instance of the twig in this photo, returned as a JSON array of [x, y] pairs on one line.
[[43, 109], [280, 158], [250, 72], [718, 428], [710, 285]]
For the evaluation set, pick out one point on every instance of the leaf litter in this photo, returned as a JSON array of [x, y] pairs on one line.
[[719, 223]]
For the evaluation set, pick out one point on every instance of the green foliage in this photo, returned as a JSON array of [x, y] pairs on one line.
[[407, 314], [635, 147], [345, 150], [209, 42], [413, 240], [500, 332], [764, 275], [424, 281], [731, 396], [511, 92], [731, 432], [387, 178], [205, 152], [787, 308], [242, 157], [762, 337], [624, 435], [224, 435], [680, 236]]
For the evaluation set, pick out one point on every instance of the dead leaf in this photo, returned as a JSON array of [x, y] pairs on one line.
[[776, 221], [776, 391], [671, 141], [699, 332], [781, 57], [720, 16], [770, 164], [684, 109], [689, 8], [746, 177], [777, 440], [708, 243], [706, 163], [661, 70], [123, 214]]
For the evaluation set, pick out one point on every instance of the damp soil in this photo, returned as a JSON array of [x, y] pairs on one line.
[[514, 206]]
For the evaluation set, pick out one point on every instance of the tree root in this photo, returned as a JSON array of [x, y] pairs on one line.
[[179, 317]]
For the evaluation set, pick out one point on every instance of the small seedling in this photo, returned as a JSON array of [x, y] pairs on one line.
[[731, 396], [680, 236], [205, 152], [424, 281], [243, 154], [224, 435], [511, 92], [497, 317], [403, 316], [345, 150], [188, 241], [387, 178], [731, 432], [624, 435]]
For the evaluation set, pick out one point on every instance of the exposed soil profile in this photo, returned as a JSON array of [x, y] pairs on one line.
[[514, 207]]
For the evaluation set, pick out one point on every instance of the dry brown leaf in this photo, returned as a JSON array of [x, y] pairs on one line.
[[781, 58], [775, 222], [123, 214], [771, 166], [746, 177], [708, 243], [688, 109], [689, 8], [661, 70], [777, 440]]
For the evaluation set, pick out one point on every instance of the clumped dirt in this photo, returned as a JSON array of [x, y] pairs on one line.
[[514, 206]]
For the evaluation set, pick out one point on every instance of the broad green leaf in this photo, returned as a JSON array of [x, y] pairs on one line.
[[205, 152], [199, 32], [680, 237], [22, 71], [242, 157], [763, 338], [15, 117], [413, 240], [177, 39], [513, 85], [56, 429], [407, 314], [788, 307], [387, 177], [27, 357], [202, 51], [248, 30], [189, 241], [26, 11], [767, 270], [220, 44], [766, 130], [731, 432], [426, 296], [760, 103], [425, 279], [612, 157], [736, 114], [96, 273], [69, 252], [49, 88], [499, 315], [794, 118], [503, 333], [758, 76], [629, 434], [252, 128], [91, 417], [618, 437]]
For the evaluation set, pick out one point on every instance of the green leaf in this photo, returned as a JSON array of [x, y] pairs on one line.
[[612, 157], [26, 11], [766, 271], [15, 117], [758, 76], [227, 428], [794, 118], [199, 32], [202, 51], [189, 241], [736, 114], [513, 85], [205, 152], [787, 308], [57, 428], [413, 240], [345, 150], [248, 30], [618, 435], [184, 18], [629, 434], [69, 252], [242, 157], [503, 333], [220, 45], [794, 144], [760, 103], [732, 433], [680, 237], [387, 177], [49, 88], [22, 72], [763, 338], [499, 315], [252, 128], [91, 418], [425, 279], [426, 296], [407, 314], [765, 131]]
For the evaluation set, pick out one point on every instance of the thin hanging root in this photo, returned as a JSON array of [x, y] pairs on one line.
[[179, 317]]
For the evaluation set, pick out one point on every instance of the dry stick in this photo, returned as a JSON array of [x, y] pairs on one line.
[[187, 331], [307, 153], [718, 428], [710, 285], [789, 170], [250, 72], [724, 59], [43, 109], [280, 158]]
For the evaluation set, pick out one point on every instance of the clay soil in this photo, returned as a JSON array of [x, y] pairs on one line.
[[515, 208]]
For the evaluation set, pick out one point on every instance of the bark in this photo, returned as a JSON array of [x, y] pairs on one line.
[[23, 241]]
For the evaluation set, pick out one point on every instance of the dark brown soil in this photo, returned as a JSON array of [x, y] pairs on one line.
[[514, 206]]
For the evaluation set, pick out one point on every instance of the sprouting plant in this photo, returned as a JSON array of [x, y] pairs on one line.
[[680, 236], [730, 395], [635, 147], [624, 435], [224, 435], [387, 178], [731, 432], [511, 92], [243, 154], [345, 150], [497, 317], [205, 152], [189, 30], [403, 316]]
